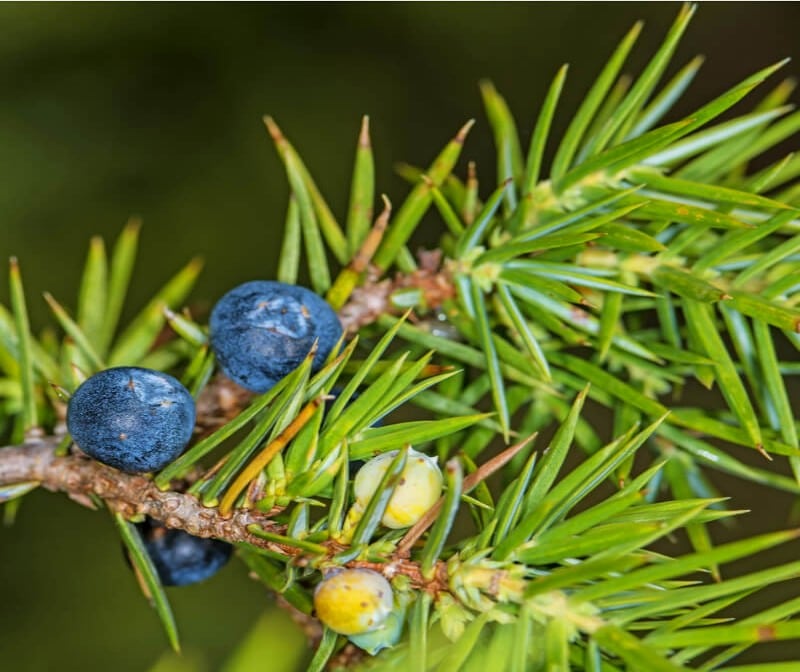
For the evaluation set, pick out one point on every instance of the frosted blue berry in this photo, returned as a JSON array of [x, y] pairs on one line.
[[180, 558], [260, 331], [134, 419]]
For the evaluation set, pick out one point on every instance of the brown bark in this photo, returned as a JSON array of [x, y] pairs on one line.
[[130, 494], [374, 298]]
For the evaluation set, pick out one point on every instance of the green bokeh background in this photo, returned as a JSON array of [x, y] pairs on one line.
[[112, 110]]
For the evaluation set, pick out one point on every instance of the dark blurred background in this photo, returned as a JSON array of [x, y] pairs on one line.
[[155, 109]]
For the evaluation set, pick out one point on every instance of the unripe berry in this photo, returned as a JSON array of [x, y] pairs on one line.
[[134, 419], [353, 601], [260, 331], [418, 489], [180, 558]]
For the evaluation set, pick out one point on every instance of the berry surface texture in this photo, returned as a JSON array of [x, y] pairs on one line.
[[262, 330], [419, 487], [353, 601], [130, 418]]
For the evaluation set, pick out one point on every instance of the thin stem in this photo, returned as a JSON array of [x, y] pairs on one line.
[[135, 495]]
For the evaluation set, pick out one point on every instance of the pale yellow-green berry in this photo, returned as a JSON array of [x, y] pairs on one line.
[[353, 601], [419, 487]]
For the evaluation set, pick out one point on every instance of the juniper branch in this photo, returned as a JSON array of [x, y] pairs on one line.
[[130, 494], [135, 495]]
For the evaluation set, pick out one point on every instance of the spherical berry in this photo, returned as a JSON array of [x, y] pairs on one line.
[[353, 601], [262, 330], [134, 419], [180, 558], [419, 487]]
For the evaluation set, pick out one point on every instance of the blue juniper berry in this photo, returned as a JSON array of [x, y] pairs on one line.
[[180, 558], [260, 331], [134, 419]]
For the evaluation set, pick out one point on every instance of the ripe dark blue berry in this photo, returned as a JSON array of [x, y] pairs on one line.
[[134, 419], [262, 330], [180, 558]]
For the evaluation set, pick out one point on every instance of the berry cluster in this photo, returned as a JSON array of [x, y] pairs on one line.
[[139, 420], [360, 603]]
